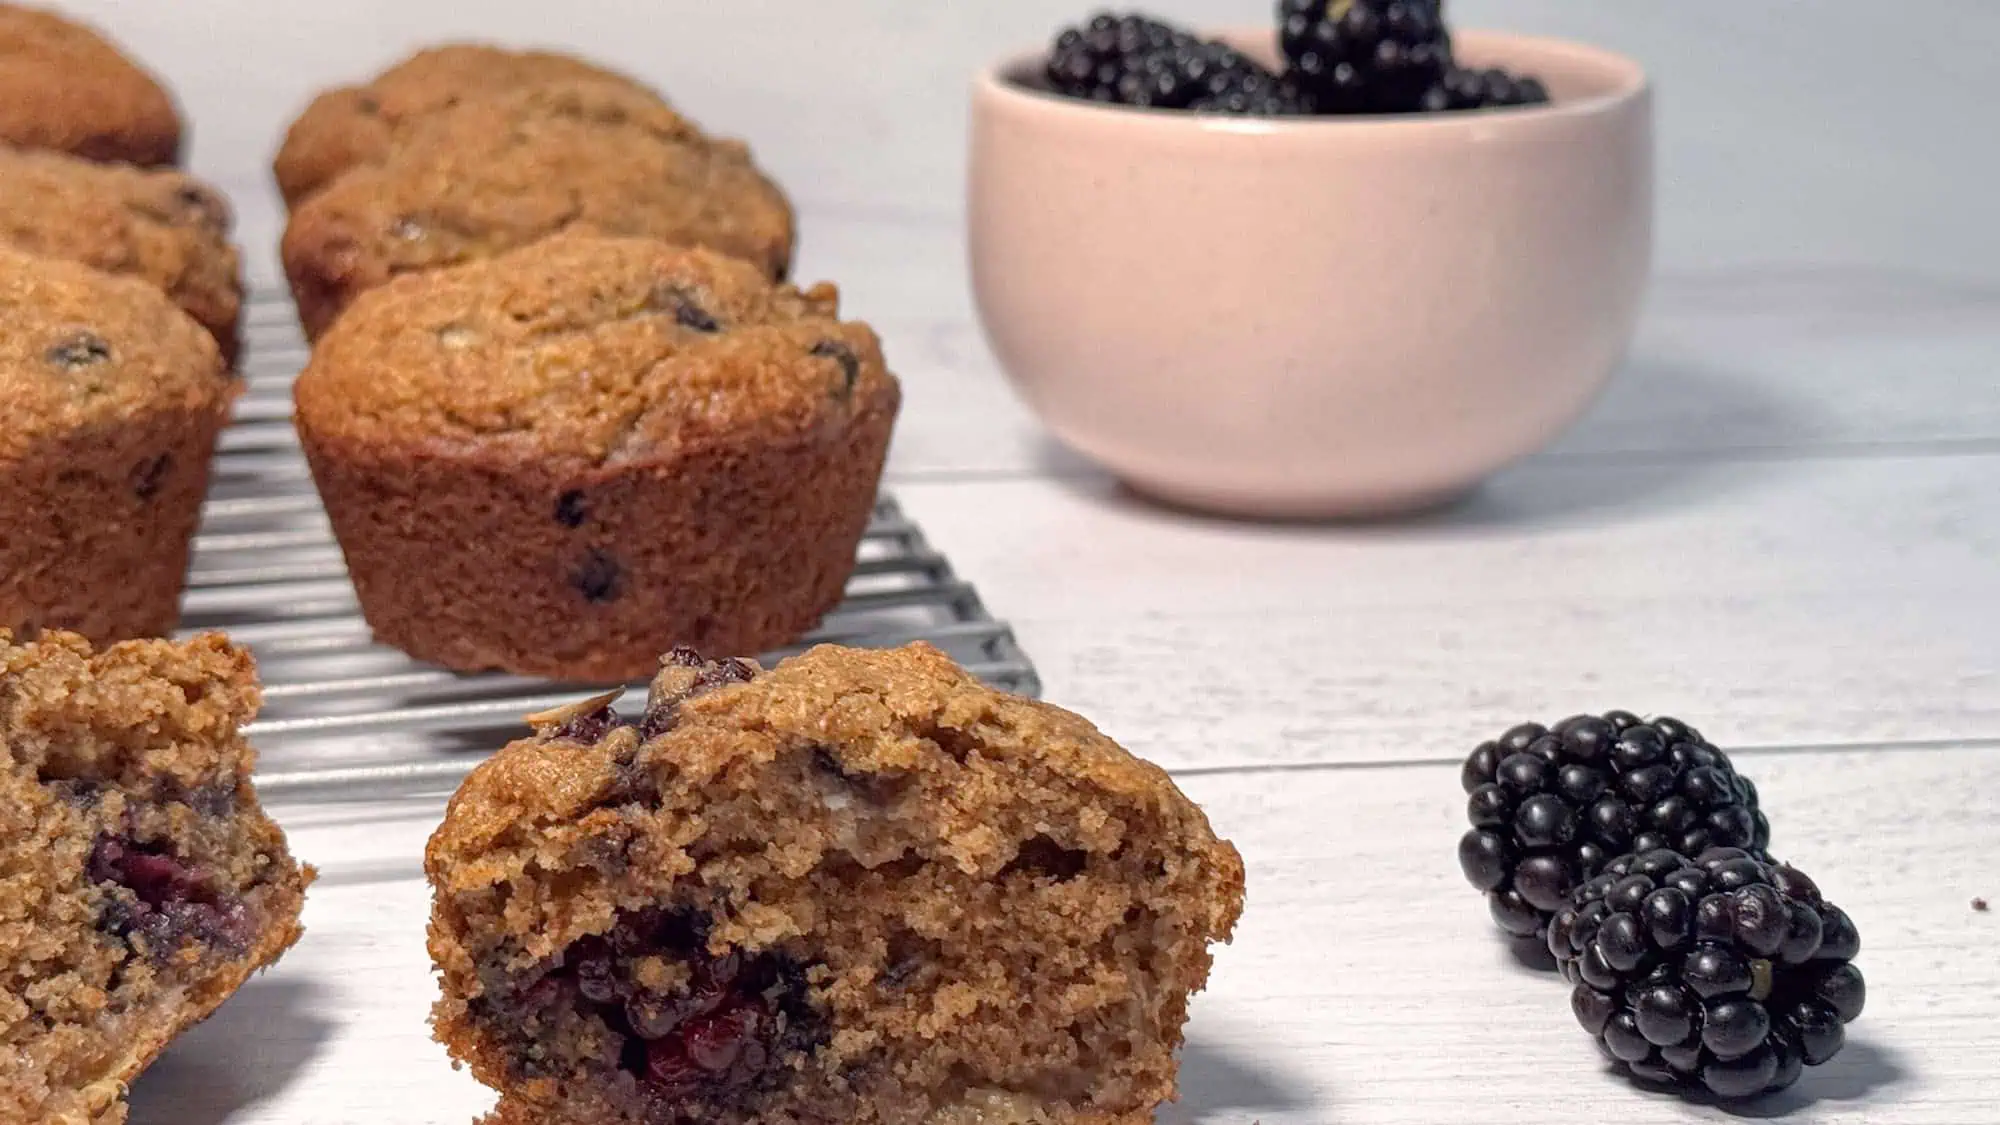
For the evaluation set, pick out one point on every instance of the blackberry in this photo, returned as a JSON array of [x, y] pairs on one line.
[[1250, 90], [1550, 807], [1365, 56], [1725, 972], [1132, 60], [1473, 88]]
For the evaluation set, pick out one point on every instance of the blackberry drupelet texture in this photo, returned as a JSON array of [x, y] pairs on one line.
[[1550, 807], [1133, 60], [1723, 972], [1365, 56], [858, 887], [1475, 88]]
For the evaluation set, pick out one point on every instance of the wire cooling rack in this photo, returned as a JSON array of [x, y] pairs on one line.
[[344, 715]]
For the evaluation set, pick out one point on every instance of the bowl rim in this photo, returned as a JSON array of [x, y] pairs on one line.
[[996, 82]]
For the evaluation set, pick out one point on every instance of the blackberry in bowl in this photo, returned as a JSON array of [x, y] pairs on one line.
[[1723, 972], [1366, 56], [1267, 314], [1334, 57], [1135, 61], [1550, 807]]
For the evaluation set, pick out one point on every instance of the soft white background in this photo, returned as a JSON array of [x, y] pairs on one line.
[[1783, 522], [1831, 131]]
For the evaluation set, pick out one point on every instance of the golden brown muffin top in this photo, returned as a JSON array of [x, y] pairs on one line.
[[597, 349], [63, 86], [899, 712], [159, 226], [361, 124], [80, 348], [490, 175]]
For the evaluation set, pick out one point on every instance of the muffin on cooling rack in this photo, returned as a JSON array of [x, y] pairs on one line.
[[159, 226], [564, 460], [144, 884], [64, 87], [493, 174], [110, 401], [860, 887], [357, 125]]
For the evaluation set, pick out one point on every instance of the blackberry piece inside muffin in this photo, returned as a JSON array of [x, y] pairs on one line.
[[143, 882], [860, 887]]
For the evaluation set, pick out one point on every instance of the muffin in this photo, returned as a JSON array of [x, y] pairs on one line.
[[159, 226], [564, 460], [144, 884], [63, 87], [360, 124], [861, 887], [495, 174], [110, 401]]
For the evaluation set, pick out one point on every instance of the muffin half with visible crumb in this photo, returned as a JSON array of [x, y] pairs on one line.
[[159, 226], [564, 460], [493, 174], [357, 125], [860, 887], [144, 884], [111, 398], [63, 86]]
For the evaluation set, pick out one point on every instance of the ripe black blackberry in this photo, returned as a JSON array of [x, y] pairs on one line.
[[1549, 808], [1250, 90], [1724, 972], [1093, 60], [1133, 60], [1474, 88], [1365, 56]]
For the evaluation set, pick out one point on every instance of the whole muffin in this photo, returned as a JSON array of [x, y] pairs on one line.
[[861, 887], [357, 125], [144, 883], [564, 460], [64, 87], [491, 175], [159, 226], [110, 401]]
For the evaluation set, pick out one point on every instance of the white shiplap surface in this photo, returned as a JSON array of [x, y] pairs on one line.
[[1782, 523]]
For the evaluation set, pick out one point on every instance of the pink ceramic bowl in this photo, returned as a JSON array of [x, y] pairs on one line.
[[1313, 317]]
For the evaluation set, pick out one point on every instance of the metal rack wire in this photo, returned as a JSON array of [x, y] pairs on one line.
[[345, 715]]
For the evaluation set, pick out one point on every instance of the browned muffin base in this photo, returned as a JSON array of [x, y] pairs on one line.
[[95, 529], [588, 573], [144, 883], [64, 87], [861, 888]]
